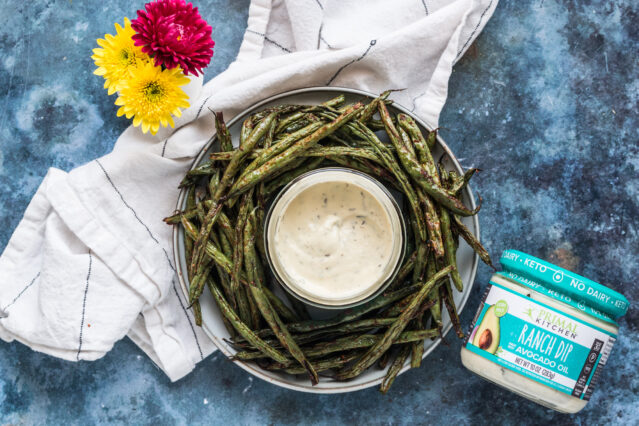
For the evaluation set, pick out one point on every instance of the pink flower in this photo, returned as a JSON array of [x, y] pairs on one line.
[[174, 34]]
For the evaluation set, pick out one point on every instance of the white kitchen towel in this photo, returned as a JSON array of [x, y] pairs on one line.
[[91, 261]]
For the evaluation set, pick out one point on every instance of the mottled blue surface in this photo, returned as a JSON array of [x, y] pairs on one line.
[[545, 103]]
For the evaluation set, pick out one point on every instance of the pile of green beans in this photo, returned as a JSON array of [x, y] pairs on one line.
[[223, 224]]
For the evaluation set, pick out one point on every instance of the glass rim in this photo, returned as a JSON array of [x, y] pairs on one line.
[[395, 269]]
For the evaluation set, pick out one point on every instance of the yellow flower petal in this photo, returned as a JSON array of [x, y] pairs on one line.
[[150, 95], [117, 56]]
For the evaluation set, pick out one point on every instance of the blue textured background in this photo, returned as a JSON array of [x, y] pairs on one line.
[[545, 103]]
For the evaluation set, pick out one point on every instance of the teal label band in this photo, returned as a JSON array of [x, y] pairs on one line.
[[539, 342], [558, 296], [582, 290]]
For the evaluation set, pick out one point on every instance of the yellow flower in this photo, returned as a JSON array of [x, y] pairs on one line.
[[150, 95], [118, 56]]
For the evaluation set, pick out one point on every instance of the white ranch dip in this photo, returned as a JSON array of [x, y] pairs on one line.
[[334, 237]]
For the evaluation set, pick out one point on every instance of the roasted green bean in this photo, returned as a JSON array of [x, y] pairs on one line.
[[394, 330]]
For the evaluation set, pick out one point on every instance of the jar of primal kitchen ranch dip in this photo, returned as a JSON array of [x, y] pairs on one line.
[[543, 332]]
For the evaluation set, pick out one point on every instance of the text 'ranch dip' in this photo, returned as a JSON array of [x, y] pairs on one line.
[[334, 237], [543, 332]]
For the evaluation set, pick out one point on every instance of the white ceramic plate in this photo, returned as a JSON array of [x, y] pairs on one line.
[[211, 317]]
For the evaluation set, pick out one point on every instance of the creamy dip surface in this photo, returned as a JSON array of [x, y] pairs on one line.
[[335, 241]]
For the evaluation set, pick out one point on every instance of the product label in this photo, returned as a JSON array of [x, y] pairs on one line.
[[539, 341]]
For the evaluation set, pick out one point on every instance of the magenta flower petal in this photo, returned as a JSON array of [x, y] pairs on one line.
[[174, 34]]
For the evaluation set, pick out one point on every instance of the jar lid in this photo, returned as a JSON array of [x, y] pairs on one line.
[[562, 280]]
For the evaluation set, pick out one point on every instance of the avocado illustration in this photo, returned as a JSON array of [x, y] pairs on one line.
[[487, 334]]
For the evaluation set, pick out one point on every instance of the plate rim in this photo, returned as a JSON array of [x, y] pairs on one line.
[[219, 343]]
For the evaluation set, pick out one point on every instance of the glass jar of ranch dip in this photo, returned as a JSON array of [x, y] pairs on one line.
[[334, 237], [543, 332]]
